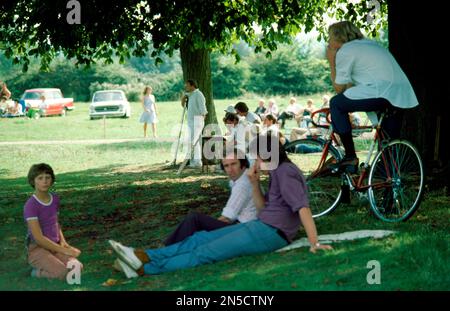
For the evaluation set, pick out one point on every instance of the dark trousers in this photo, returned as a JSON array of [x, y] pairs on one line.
[[341, 106], [192, 223], [285, 115]]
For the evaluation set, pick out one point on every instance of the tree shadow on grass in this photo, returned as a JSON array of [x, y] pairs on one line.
[[128, 203], [409, 261], [139, 205]]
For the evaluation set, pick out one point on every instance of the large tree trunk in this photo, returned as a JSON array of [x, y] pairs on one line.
[[196, 65], [414, 40]]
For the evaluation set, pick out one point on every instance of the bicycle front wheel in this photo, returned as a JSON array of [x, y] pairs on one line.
[[396, 182], [324, 189]]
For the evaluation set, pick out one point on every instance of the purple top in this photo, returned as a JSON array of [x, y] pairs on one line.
[[287, 194], [46, 214]]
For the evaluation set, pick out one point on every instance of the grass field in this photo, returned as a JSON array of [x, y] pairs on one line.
[[77, 126], [125, 192]]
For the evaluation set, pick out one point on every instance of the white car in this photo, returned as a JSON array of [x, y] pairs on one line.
[[109, 103]]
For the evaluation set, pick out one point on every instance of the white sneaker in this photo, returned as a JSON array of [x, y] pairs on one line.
[[117, 266], [126, 254], [122, 266]]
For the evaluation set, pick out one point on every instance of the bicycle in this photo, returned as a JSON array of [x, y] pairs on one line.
[[395, 176]]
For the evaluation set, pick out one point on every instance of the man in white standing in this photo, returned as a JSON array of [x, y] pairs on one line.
[[196, 113]]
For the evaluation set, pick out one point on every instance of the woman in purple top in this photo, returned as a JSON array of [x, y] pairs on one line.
[[282, 210], [48, 251]]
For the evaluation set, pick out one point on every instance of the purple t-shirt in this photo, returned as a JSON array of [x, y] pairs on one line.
[[46, 214], [287, 194]]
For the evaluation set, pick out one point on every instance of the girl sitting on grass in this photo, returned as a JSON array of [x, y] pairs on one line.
[[48, 251]]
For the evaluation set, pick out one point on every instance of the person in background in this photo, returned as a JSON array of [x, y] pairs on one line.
[[261, 109], [150, 113], [272, 109], [271, 125], [304, 117], [242, 110], [196, 114], [325, 102], [5, 93], [292, 110]]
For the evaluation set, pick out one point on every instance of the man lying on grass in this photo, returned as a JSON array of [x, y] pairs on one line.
[[281, 210]]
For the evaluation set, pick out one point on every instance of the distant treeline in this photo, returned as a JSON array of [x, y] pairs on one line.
[[298, 68]]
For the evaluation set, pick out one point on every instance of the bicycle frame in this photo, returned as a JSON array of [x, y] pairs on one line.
[[355, 182]]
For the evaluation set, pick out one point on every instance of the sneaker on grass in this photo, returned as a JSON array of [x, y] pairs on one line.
[[126, 269], [126, 254]]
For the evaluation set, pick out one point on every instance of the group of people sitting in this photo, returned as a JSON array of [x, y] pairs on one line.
[[265, 119], [293, 110], [253, 221]]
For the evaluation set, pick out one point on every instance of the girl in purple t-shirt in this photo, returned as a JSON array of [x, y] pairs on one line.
[[48, 251]]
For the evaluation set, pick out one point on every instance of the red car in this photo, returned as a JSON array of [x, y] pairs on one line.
[[46, 102]]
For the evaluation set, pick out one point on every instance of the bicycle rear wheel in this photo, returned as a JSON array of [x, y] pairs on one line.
[[324, 189], [396, 179]]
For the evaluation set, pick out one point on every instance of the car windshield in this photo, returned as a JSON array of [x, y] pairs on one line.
[[107, 96], [32, 95]]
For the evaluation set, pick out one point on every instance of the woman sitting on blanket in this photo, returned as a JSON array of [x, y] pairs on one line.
[[281, 210]]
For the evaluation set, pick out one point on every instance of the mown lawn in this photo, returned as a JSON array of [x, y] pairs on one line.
[[77, 126], [125, 191]]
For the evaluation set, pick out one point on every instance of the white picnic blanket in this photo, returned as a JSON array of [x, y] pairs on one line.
[[346, 236]]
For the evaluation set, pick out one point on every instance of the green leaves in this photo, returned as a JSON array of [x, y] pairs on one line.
[[127, 26]]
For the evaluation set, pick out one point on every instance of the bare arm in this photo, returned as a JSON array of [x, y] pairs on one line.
[[46, 243], [253, 176], [224, 219], [62, 239], [310, 229], [183, 100], [64, 243]]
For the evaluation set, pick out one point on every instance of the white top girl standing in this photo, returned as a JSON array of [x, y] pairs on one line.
[[150, 113]]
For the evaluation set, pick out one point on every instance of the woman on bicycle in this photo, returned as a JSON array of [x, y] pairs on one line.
[[366, 77]]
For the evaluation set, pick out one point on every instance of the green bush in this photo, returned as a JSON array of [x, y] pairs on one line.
[[292, 69], [229, 78]]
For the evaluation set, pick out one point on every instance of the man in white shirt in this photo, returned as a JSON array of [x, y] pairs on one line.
[[239, 207], [196, 113], [367, 78]]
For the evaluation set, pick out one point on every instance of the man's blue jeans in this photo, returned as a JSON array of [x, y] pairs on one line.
[[211, 246]]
